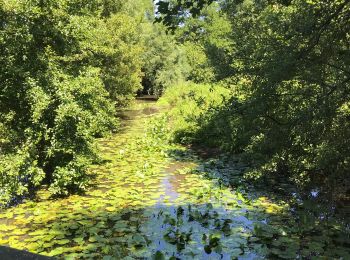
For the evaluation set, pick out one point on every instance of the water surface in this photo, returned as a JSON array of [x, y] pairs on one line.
[[153, 199]]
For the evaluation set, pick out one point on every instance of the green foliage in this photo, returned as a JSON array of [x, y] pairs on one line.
[[201, 70], [165, 62], [64, 116], [192, 107], [207, 44], [115, 46], [297, 86], [66, 64], [288, 66], [171, 13]]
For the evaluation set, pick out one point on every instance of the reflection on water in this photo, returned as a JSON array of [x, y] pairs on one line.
[[314, 193], [173, 180]]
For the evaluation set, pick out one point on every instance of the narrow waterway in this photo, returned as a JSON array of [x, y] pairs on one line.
[[153, 199]]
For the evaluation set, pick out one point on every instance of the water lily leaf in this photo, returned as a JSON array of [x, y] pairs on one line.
[[73, 226], [62, 241], [214, 239], [48, 245], [288, 253], [121, 226], [235, 252], [209, 206], [19, 232], [72, 256], [7, 227], [79, 240], [208, 249], [159, 256], [138, 240], [57, 251], [111, 209], [3, 241], [93, 239]]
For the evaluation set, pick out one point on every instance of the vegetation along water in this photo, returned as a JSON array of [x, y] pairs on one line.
[[194, 129]]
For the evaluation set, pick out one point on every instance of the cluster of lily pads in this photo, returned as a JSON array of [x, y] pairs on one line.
[[151, 198]]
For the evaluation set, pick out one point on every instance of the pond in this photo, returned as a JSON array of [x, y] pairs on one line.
[[151, 199]]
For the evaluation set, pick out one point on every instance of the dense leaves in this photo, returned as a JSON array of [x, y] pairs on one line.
[[174, 12], [288, 71], [66, 65], [207, 44], [165, 63], [192, 107]]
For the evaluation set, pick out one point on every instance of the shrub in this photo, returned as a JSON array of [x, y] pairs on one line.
[[193, 105]]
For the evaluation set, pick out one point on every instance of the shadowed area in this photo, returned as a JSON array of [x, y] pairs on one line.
[[7, 253]]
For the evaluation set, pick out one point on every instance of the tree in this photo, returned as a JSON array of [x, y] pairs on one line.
[[164, 59], [289, 75], [66, 64]]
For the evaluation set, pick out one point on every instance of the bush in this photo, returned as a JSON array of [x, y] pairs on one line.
[[65, 65], [165, 62], [288, 62], [193, 106], [65, 115]]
